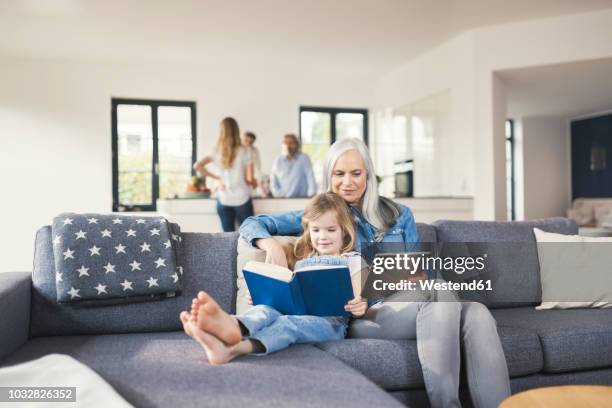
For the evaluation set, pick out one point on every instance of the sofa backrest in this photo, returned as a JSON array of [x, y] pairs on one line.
[[427, 233], [209, 265], [512, 259]]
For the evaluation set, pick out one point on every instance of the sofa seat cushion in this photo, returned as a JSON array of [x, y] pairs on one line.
[[577, 339], [395, 365], [522, 349], [392, 364], [170, 369]]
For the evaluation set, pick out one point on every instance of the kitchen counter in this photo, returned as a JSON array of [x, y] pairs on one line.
[[200, 214]]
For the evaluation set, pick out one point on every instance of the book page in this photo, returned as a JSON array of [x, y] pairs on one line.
[[270, 270]]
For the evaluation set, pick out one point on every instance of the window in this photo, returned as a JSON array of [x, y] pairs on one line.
[[320, 127], [510, 200], [153, 151]]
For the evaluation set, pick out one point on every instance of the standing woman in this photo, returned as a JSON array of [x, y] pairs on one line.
[[235, 175], [439, 327]]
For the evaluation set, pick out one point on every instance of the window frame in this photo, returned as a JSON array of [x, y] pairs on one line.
[[511, 139], [332, 114], [154, 104]]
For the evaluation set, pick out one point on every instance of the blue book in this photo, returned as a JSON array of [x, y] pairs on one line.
[[315, 290]]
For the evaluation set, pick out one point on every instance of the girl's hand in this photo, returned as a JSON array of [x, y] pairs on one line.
[[357, 307], [221, 186], [274, 251]]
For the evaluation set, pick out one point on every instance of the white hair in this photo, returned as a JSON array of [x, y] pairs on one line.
[[378, 211]]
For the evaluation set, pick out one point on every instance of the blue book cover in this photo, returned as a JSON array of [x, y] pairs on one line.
[[314, 290]]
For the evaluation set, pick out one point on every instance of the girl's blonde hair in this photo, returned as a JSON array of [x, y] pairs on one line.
[[318, 206], [228, 142]]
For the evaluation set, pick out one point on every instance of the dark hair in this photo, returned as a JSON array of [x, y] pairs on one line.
[[250, 135], [294, 137]]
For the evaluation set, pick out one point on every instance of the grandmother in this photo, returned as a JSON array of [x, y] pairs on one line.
[[439, 327]]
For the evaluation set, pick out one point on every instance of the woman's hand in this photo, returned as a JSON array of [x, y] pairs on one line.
[[274, 251], [357, 307]]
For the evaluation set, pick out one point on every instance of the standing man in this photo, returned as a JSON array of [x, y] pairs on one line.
[[292, 174]]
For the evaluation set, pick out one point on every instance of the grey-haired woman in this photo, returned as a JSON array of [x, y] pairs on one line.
[[439, 327]]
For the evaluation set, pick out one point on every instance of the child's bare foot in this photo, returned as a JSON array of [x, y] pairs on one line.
[[213, 320], [186, 320], [195, 306], [216, 350]]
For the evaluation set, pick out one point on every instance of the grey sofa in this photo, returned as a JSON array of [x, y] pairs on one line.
[[139, 348]]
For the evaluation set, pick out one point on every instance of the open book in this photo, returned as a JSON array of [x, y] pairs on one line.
[[320, 290]]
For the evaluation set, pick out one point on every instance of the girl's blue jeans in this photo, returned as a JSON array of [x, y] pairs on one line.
[[276, 331]]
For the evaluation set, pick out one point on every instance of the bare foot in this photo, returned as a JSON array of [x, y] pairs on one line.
[[213, 320], [185, 319], [195, 307], [216, 350]]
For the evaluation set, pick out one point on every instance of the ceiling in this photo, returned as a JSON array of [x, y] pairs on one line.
[[369, 36], [562, 90]]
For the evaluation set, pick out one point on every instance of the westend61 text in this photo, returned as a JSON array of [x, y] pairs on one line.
[[432, 285]]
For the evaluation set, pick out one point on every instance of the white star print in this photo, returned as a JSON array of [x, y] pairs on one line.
[[154, 231], [174, 277], [101, 289], [58, 277], [109, 268], [175, 237], [131, 233], [117, 221], [127, 285], [135, 265], [94, 250], [162, 221], [140, 221], [57, 240], [159, 262], [179, 269], [145, 247], [152, 282], [80, 234], [167, 244], [74, 293], [68, 253], [106, 233], [83, 271], [67, 221], [92, 220], [120, 248]]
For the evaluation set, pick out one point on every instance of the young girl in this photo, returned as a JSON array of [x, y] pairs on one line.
[[328, 237]]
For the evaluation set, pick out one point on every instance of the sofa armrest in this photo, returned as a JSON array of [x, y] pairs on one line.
[[15, 292]]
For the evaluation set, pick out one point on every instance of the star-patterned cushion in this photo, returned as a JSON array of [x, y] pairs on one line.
[[102, 257]]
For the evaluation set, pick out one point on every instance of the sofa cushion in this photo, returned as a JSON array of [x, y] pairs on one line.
[[522, 349], [511, 257], [395, 365], [392, 364], [427, 233], [170, 369], [209, 262], [578, 339]]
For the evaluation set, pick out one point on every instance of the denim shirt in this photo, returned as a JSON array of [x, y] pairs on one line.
[[290, 223]]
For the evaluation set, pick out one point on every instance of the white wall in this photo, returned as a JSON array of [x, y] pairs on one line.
[[546, 175], [55, 126], [466, 65]]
